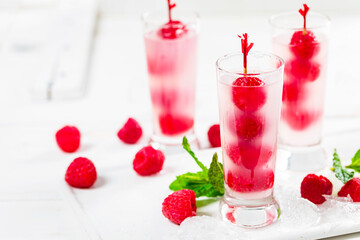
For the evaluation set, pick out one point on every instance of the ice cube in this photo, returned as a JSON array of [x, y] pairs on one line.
[[296, 212], [206, 228]]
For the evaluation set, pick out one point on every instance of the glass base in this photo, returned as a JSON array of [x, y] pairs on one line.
[[172, 145], [312, 158], [259, 214]]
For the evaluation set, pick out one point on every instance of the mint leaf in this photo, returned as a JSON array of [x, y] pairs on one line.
[[184, 180], [340, 172], [186, 146], [204, 202], [216, 174], [355, 162]]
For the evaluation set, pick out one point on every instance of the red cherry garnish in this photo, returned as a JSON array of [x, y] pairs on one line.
[[172, 29], [303, 43], [248, 95]]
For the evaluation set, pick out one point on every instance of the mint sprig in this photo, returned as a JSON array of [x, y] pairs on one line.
[[208, 182], [355, 162], [341, 173]]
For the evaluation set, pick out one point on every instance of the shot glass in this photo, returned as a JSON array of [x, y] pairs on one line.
[[305, 52], [171, 53], [249, 117]]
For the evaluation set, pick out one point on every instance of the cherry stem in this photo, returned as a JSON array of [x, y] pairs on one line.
[[245, 48], [303, 13], [170, 6]]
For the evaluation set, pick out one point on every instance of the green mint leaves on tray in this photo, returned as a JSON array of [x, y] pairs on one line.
[[341, 173], [208, 182]]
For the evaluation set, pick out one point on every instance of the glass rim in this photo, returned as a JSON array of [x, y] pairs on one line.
[[146, 14], [325, 17], [238, 53]]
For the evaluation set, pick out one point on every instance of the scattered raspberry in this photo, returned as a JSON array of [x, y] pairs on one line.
[[179, 205], [148, 161], [131, 132], [248, 154], [172, 30], [293, 91], [171, 124], [303, 70], [313, 188], [81, 173], [214, 135], [297, 118], [247, 127], [352, 188], [304, 46], [248, 93], [68, 139], [250, 181]]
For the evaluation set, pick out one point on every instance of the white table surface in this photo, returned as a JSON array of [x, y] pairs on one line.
[[35, 202]]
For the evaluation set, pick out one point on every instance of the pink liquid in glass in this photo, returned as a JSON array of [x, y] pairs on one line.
[[249, 118], [172, 77], [304, 89]]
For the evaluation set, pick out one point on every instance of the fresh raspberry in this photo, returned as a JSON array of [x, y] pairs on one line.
[[179, 205], [148, 161], [247, 127], [298, 118], [254, 181], [304, 46], [81, 173], [248, 154], [68, 139], [302, 70], [214, 135], [131, 132], [313, 188], [172, 30], [172, 124], [352, 188], [293, 91], [248, 93]]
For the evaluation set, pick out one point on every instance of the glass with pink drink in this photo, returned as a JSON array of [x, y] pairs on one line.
[[171, 53], [301, 39], [249, 106]]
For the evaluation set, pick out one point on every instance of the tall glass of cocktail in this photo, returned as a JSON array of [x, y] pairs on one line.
[[171, 52], [249, 91]]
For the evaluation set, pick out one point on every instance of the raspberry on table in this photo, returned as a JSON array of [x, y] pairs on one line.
[[352, 188], [313, 188], [250, 181], [214, 135], [248, 93], [131, 132], [304, 46], [174, 124], [179, 205], [68, 139], [81, 173], [148, 161]]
